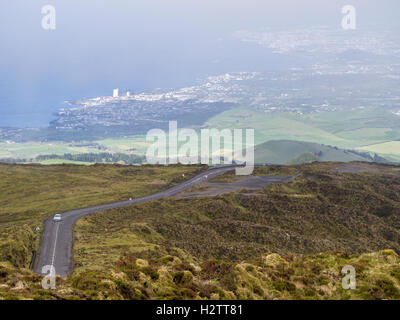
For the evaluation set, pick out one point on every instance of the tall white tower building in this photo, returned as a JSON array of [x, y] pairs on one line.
[[128, 94], [116, 93]]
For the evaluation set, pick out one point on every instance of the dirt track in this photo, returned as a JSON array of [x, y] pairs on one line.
[[367, 168], [356, 168], [246, 183]]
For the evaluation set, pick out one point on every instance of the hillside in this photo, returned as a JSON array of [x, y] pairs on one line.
[[31, 193], [353, 209], [358, 128], [297, 152], [284, 241], [306, 157], [270, 276]]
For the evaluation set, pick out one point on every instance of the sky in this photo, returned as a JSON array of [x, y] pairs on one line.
[[141, 45]]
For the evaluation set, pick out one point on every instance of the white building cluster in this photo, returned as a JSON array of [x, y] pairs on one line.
[[116, 93]]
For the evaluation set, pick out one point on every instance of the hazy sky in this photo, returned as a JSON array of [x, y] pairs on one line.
[[99, 44]]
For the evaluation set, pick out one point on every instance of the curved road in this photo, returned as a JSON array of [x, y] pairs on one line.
[[56, 246]]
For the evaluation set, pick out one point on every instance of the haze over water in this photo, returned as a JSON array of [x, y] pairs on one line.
[[140, 45]]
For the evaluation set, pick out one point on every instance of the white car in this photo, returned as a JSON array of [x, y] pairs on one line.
[[57, 217]]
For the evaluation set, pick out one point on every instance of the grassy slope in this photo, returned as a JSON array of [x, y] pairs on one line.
[[321, 211], [29, 193], [134, 144], [373, 130], [350, 129], [270, 276], [33, 149], [221, 249], [125, 145], [390, 150], [306, 157], [63, 161], [284, 151]]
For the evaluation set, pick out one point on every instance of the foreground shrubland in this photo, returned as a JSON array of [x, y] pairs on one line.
[[271, 276], [286, 241]]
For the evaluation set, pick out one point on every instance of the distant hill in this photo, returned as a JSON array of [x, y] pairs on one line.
[[297, 152], [306, 157]]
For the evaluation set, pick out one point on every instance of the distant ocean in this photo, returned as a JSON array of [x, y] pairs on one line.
[[33, 103]]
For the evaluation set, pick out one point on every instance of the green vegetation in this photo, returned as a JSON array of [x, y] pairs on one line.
[[269, 276], [370, 131], [344, 129], [286, 241], [276, 170], [81, 158], [306, 157], [298, 152], [30, 150], [389, 150], [129, 150], [135, 144], [30, 193], [63, 161], [102, 157], [322, 210]]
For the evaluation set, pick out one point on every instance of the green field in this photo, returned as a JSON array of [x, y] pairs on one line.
[[297, 152], [353, 129], [33, 149], [63, 161], [390, 150], [371, 130], [134, 144]]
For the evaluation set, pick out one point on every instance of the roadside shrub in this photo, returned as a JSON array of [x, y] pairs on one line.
[[166, 259], [213, 269], [132, 274], [395, 272], [182, 277], [90, 280], [384, 211], [385, 289], [282, 285], [151, 272], [129, 292], [229, 281]]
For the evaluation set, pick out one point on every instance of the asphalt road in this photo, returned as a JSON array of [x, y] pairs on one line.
[[56, 245]]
